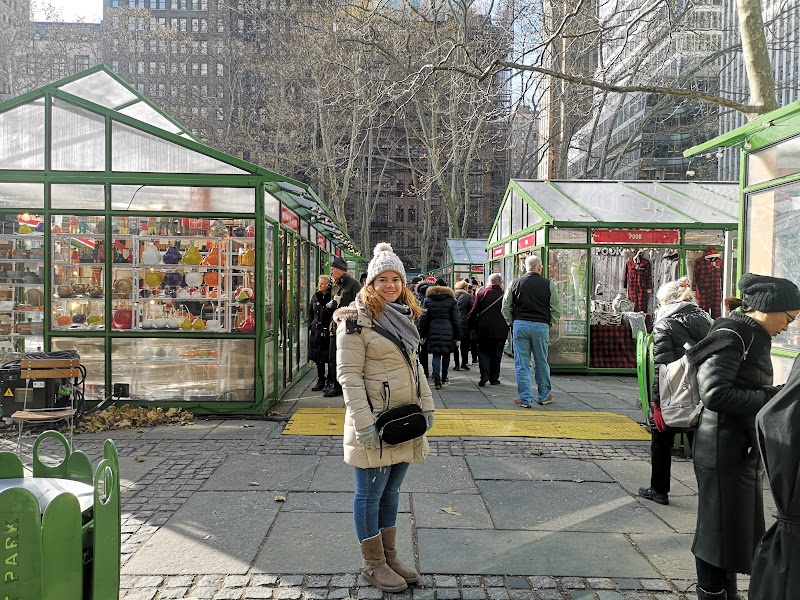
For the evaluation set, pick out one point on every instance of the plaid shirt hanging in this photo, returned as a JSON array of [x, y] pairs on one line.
[[639, 281], [707, 282]]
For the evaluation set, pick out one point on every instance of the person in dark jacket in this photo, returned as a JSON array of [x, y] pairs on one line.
[[439, 326], [491, 329], [531, 306], [776, 566], [319, 319], [343, 291], [419, 294], [734, 375], [678, 321], [465, 302]]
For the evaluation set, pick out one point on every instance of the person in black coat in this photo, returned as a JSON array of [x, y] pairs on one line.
[[343, 291], [419, 293], [776, 566], [319, 320], [439, 326], [734, 375], [465, 301], [678, 321], [491, 329]]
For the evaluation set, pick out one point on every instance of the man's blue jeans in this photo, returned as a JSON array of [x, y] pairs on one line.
[[530, 337], [376, 499]]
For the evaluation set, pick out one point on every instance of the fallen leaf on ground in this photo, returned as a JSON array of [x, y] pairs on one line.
[[280, 498], [253, 483], [451, 511], [128, 417], [332, 422], [139, 459]]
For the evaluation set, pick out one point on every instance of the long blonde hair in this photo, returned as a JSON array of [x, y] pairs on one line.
[[376, 304]]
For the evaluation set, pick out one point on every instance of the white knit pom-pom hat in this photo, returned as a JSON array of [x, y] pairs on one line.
[[384, 259]]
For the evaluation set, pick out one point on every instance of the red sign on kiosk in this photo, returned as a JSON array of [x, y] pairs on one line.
[[527, 242], [498, 252], [639, 237], [291, 220], [476, 268]]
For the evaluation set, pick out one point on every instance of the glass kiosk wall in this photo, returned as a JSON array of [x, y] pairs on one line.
[[769, 233], [180, 274], [684, 229]]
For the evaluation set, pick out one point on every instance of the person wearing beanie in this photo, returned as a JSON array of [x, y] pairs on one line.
[[679, 320], [734, 375], [376, 374], [343, 291]]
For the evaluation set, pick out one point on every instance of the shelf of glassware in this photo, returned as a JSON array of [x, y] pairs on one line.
[[187, 369], [78, 262], [21, 292], [197, 290]]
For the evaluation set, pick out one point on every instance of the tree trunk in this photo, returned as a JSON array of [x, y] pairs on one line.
[[756, 57]]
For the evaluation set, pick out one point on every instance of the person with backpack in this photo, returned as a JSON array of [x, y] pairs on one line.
[[491, 329], [678, 321], [734, 376], [376, 357]]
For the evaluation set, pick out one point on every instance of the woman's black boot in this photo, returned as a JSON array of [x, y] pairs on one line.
[[704, 595]]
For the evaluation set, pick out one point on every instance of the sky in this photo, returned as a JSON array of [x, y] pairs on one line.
[[88, 11]]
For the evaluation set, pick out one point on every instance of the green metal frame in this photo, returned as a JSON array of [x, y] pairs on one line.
[[290, 193], [549, 222], [757, 135]]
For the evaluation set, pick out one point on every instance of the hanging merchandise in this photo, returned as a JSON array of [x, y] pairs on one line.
[[218, 230], [248, 256], [707, 282], [638, 280], [214, 258], [670, 266]]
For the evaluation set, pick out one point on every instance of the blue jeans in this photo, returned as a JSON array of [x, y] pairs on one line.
[[531, 337], [376, 499]]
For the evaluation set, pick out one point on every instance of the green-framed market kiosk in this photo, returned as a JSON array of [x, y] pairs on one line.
[[463, 258], [180, 274], [598, 239], [769, 229]]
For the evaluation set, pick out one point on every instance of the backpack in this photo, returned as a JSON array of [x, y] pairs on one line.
[[677, 386]]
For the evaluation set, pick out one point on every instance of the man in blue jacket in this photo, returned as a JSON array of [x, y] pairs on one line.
[[530, 306]]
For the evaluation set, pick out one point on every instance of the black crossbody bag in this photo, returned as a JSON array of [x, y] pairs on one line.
[[406, 422]]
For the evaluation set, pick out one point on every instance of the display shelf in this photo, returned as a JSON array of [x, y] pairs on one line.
[[21, 291]]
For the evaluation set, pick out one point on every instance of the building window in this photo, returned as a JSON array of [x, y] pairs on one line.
[[412, 215], [204, 69], [220, 70], [398, 218], [81, 63], [195, 25]]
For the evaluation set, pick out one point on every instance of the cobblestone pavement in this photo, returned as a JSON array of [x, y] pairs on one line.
[[176, 465]]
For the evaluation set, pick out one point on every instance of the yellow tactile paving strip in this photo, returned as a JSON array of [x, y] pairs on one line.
[[490, 423]]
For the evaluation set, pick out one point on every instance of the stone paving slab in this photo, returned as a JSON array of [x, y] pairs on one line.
[[459, 551], [323, 502], [633, 476], [440, 474], [333, 475], [320, 543], [671, 554], [213, 532], [243, 429], [528, 469], [561, 506], [436, 511], [604, 402], [192, 431], [277, 472]]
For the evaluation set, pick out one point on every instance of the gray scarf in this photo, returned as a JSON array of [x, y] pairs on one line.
[[396, 319]]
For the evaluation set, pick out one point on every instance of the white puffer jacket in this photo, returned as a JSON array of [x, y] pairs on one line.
[[366, 364]]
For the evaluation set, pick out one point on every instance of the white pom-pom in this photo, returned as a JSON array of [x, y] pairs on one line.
[[382, 247]]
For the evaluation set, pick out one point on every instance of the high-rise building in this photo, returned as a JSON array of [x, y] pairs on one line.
[[782, 29], [642, 135]]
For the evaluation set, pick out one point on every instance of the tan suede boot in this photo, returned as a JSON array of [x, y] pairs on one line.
[[390, 551], [375, 569]]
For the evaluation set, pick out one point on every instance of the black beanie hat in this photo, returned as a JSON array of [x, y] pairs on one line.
[[769, 294], [441, 281]]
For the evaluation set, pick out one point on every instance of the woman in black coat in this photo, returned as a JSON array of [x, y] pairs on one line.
[[439, 326], [465, 301], [491, 328], [734, 375], [319, 319], [678, 321]]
